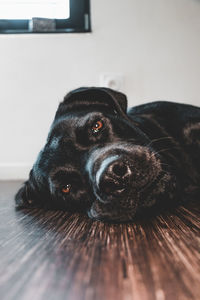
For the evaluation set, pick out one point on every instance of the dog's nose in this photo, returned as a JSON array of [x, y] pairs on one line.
[[119, 168], [113, 176]]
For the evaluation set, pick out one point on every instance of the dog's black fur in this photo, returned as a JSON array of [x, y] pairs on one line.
[[112, 163]]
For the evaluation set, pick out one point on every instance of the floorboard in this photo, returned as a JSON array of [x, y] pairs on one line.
[[55, 255]]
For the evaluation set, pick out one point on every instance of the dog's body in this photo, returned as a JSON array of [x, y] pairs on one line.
[[113, 163]]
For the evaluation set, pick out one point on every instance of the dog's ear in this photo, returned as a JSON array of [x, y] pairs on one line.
[[27, 195], [79, 99]]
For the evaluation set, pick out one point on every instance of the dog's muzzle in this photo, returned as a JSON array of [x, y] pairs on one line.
[[116, 171]]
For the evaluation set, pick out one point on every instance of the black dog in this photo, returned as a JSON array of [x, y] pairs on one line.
[[112, 163]]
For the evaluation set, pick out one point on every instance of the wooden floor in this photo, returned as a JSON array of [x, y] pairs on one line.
[[55, 255]]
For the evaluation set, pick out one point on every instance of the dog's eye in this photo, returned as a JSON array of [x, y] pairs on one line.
[[97, 126], [66, 189]]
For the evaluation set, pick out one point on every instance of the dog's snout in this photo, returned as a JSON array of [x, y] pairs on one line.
[[117, 171], [113, 175]]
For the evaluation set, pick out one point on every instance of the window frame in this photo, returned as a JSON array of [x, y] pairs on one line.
[[79, 21]]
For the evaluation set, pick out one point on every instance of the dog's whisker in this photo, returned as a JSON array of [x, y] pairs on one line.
[[165, 149], [159, 139]]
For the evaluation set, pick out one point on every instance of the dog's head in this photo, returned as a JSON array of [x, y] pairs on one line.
[[95, 159]]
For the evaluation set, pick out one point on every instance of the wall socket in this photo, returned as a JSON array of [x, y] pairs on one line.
[[112, 80]]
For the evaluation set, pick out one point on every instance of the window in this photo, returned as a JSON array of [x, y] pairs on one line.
[[44, 16]]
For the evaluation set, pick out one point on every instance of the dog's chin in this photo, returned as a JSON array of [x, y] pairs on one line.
[[122, 208], [110, 213], [120, 196]]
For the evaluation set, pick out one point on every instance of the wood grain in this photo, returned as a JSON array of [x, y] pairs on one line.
[[56, 255]]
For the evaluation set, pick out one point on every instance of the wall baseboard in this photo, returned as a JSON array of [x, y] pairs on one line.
[[14, 171]]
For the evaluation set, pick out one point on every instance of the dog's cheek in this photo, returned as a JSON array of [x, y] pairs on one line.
[[166, 191]]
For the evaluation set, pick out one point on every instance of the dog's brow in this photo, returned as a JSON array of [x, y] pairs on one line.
[[83, 120]]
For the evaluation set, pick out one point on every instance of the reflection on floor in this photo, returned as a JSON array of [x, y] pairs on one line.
[[55, 255]]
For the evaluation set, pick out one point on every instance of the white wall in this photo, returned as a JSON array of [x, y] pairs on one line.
[[154, 43]]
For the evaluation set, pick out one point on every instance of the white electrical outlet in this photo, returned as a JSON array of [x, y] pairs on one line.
[[112, 80]]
